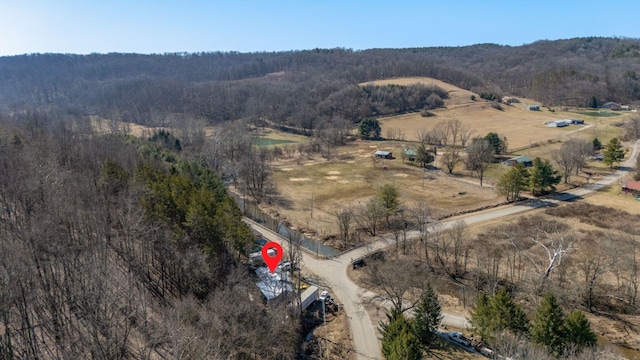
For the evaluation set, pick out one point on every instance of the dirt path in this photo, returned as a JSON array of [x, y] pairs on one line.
[[334, 271]]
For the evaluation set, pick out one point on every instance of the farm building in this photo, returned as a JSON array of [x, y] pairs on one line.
[[410, 154], [631, 187], [522, 159], [612, 105], [510, 100], [577, 122], [533, 107], [559, 123], [383, 154]]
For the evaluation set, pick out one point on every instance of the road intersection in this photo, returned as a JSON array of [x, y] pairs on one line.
[[333, 271]]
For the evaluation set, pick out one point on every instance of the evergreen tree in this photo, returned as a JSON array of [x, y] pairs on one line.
[[548, 326], [427, 318], [423, 155], [482, 319], [593, 102], [494, 314], [370, 129], [508, 314], [405, 347], [613, 153], [496, 143], [513, 182], [578, 330], [389, 197], [597, 145], [543, 176], [398, 341]]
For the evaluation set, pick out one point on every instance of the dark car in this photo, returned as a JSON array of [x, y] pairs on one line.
[[262, 241], [358, 263]]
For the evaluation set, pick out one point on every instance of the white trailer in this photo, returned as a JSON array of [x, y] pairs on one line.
[[308, 297]]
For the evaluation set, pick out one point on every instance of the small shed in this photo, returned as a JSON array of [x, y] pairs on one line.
[[577, 122], [631, 187], [522, 159], [533, 107], [383, 154]]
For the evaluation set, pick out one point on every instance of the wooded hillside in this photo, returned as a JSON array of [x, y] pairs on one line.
[[114, 247], [299, 88]]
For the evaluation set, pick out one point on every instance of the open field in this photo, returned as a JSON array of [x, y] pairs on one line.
[[521, 127], [352, 177]]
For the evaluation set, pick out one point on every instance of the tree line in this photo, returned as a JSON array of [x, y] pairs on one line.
[[297, 87]]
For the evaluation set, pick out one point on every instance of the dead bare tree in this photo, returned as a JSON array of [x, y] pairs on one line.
[[344, 217], [554, 246], [460, 250], [399, 282]]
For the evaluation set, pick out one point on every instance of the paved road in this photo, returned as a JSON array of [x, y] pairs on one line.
[[334, 271]]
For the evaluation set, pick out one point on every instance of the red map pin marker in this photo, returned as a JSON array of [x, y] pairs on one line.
[[272, 257]]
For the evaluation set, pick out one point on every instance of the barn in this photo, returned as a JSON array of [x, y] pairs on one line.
[[383, 154], [523, 159], [631, 187]]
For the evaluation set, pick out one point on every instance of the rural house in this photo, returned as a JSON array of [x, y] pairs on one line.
[[559, 123], [410, 154], [612, 105], [523, 159], [510, 100], [533, 107], [383, 154], [577, 122], [631, 187]]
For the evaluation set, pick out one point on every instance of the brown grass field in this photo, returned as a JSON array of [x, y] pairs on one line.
[[521, 127]]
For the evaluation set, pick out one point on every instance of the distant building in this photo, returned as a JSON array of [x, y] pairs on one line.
[[560, 123], [533, 107], [510, 100], [383, 154], [523, 159], [577, 122], [631, 187], [612, 106], [411, 154]]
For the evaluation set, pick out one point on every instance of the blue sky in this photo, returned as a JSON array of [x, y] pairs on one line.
[[159, 26]]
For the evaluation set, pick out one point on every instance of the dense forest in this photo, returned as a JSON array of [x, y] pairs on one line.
[[301, 88], [114, 247]]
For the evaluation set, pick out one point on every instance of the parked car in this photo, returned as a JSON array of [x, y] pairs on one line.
[[324, 296], [459, 338], [358, 263], [286, 266], [262, 242]]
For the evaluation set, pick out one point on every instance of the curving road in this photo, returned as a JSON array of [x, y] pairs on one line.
[[333, 271]]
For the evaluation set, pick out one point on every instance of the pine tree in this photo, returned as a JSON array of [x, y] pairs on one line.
[[494, 314], [513, 182], [427, 318], [508, 314], [597, 145], [395, 325], [613, 153], [543, 176], [405, 346], [578, 330], [548, 326], [482, 319]]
